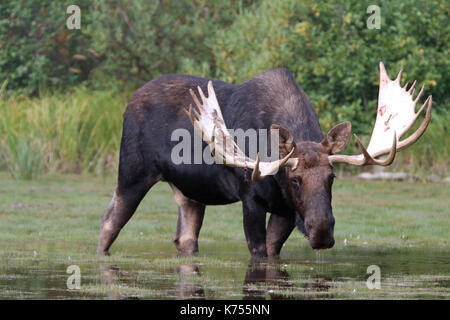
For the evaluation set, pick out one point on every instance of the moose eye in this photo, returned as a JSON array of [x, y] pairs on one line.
[[296, 182]]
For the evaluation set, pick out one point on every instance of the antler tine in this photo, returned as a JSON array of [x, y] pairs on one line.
[[256, 175], [285, 159], [420, 94], [369, 160], [210, 89], [202, 96], [213, 138], [194, 97], [197, 102], [412, 87], [189, 113], [417, 114], [423, 126], [423, 107], [399, 76], [270, 167]]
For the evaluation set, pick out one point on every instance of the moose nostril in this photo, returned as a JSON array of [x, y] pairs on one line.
[[322, 244], [331, 244]]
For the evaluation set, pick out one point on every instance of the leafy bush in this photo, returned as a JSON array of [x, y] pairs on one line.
[[334, 56], [36, 48], [141, 40], [327, 45]]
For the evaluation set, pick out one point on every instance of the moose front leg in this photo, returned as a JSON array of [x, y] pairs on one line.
[[255, 228], [278, 231]]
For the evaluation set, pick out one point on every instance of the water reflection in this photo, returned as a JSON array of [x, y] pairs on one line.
[[269, 279], [186, 287], [342, 275], [264, 279], [111, 276]]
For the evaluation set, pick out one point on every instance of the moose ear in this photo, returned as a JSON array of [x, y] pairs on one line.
[[338, 137], [286, 141]]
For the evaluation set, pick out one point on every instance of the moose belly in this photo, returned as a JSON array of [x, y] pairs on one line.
[[207, 184]]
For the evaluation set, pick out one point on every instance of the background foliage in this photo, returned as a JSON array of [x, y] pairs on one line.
[[123, 44]]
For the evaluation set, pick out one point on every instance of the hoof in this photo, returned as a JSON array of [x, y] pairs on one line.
[[187, 253], [103, 253], [186, 248], [259, 254]]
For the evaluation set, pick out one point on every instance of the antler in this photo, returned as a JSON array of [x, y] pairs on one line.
[[396, 115], [209, 124]]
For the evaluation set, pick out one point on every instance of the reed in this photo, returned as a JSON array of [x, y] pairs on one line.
[[67, 132], [79, 131]]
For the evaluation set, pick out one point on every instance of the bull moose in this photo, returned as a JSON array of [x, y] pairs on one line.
[[295, 187]]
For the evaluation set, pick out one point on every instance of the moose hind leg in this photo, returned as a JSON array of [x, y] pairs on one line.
[[190, 219], [120, 210]]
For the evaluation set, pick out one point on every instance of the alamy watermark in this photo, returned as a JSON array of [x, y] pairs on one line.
[[189, 150], [374, 20], [374, 280], [74, 20], [74, 280]]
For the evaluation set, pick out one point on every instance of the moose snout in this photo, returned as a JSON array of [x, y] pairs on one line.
[[321, 242], [321, 232]]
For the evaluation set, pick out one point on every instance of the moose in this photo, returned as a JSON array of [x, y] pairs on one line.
[[295, 189]]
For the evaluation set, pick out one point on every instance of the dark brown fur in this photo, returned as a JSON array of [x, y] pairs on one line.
[[302, 196]]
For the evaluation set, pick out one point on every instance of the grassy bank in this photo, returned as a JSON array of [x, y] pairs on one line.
[[80, 131], [52, 222]]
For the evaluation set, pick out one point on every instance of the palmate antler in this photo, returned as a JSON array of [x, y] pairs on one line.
[[396, 115], [210, 125]]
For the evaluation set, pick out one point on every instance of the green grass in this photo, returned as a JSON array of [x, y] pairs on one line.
[[376, 212], [52, 222]]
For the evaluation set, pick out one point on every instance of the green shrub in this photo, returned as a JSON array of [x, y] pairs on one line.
[[141, 40], [36, 48], [334, 56]]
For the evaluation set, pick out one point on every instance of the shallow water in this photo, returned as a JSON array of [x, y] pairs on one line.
[[221, 271]]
